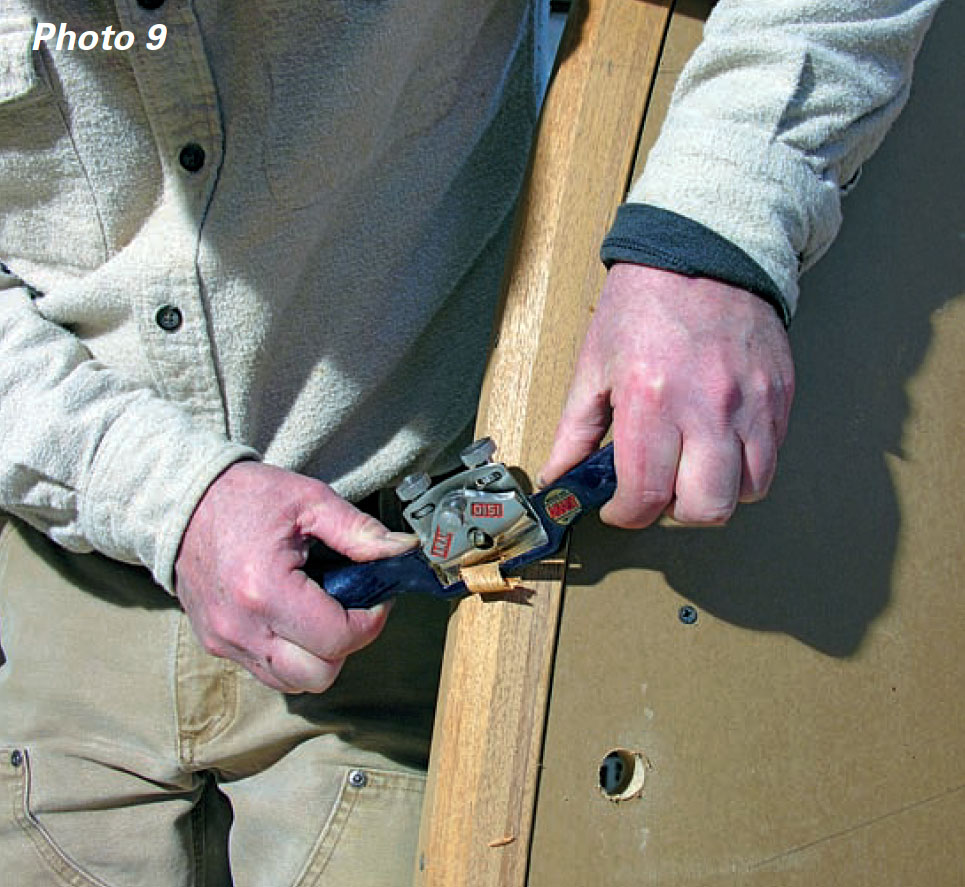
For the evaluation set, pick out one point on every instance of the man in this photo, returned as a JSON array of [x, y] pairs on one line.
[[248, 275]]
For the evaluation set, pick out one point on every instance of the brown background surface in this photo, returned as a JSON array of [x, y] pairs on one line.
[[809, 729]]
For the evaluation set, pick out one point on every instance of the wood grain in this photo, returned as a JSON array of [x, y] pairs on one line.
[[485, 760]]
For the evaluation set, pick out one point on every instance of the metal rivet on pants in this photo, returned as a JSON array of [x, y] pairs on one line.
[[688, 614], [16, 757], [358, 779]]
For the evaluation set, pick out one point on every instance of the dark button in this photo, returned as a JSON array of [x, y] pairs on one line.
[[150, 4], [169, 318], [192, 157], [16, 757]]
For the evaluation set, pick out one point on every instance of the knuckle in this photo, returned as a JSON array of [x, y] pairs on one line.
[[582, 435], [763, 388], [323, 681], [648, 385], [355, 534], [340, 647], [788, 387], [637, 513], [265, 674], [223, 630], [361, 632], [252, 596], [715, 515], [330, 645], [771, 392], [307, 674], [654, 388], [650, 501], [704, 513], [724, 398]]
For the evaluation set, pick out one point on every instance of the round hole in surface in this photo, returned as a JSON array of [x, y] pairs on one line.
[[622, 774]]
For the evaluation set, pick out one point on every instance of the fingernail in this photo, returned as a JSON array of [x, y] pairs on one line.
[[378, 533], [403, 541]]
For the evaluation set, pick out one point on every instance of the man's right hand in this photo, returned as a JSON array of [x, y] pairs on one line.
[[239, 575]]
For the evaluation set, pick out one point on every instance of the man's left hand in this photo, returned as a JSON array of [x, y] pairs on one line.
[[697, 378]]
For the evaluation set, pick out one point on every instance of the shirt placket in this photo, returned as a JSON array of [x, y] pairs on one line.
[[179, 97]]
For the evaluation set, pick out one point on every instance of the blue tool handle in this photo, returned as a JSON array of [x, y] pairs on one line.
[[365, 585], [581, 490], [594, 480]]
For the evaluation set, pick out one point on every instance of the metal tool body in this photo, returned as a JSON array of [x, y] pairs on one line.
[[473, 517], [478, 516]]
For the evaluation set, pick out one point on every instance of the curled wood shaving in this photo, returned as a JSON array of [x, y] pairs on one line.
[[486, 579]]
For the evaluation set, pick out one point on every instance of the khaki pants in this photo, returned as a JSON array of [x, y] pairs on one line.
[[128, 756]]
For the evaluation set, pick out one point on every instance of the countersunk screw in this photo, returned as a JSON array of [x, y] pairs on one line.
[[687, 614], [358, 779]]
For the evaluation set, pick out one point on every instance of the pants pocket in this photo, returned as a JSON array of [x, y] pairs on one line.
[[370, 839], [29, 857]]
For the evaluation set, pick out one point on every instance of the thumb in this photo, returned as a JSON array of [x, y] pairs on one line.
[[349, 531], [586, 418]]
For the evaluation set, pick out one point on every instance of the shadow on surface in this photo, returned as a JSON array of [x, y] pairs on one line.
[[815, 560]]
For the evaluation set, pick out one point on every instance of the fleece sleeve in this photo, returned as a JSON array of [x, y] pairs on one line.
[[770, 122], [87, 456]]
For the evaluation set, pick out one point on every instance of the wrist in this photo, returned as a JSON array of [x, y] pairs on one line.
[[658, 238]]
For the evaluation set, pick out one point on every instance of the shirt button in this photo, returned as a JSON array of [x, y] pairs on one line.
[[169, 318], [192, 157], [150, 4]]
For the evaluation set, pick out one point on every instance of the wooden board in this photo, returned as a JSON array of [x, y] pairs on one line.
[[488, 733], [809, 728]]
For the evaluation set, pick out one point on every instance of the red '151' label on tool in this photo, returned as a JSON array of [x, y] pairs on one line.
[[562, 506], [486, 509]]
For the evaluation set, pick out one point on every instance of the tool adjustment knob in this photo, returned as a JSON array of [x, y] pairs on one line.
[[413, 486], [478, 453]]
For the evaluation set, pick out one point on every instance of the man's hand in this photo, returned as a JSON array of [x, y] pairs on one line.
[[697, 378], [239, 577]]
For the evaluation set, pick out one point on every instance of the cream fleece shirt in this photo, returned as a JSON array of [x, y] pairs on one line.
[[280, 235], [772, 118], [334, 262]]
